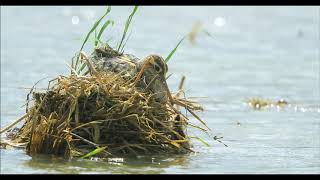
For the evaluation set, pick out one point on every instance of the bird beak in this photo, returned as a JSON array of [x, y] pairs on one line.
[[167, 89]]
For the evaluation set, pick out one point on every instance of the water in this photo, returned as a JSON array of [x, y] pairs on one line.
[[267, 52]]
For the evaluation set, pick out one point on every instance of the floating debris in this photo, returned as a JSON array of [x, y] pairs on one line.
[[258, 103], [282, 103]]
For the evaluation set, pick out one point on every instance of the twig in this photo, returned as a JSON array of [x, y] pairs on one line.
[[14, 123], [27, 104], [16, 145], [180, 88], [183, 79], [90, 65], [83, 139], [149, 85], [87, 141]]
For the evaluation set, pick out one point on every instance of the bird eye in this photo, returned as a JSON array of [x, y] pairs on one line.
[[157, 68]]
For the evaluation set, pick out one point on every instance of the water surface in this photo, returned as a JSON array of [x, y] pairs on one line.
[[267, 52]]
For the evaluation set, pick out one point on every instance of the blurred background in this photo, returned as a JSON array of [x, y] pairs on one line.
[[265, 52]]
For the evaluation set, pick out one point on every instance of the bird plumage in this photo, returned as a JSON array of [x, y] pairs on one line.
[[149, 72]]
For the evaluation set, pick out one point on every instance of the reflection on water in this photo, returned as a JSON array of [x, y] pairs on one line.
[[143, 164]]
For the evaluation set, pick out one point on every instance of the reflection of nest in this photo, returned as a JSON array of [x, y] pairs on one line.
[[102, 114]]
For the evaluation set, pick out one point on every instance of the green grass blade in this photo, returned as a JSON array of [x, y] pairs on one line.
[[82, 39], [94, 152], [176, 47], [95, 36], [104, 26], [91, 30], [83, 65], [127, 26], [174, 50], [125, 42], [95, 26]]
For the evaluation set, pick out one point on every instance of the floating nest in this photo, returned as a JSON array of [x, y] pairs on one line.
[[102, 115]]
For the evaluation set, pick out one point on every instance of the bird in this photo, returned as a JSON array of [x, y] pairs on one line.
[[149, 73]]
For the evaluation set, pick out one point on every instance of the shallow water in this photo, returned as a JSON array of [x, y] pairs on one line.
[[266, 52]]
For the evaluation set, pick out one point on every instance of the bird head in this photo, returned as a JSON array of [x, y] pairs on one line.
[[153, 71]]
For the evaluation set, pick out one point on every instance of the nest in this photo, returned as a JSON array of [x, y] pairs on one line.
[[102, 115]]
